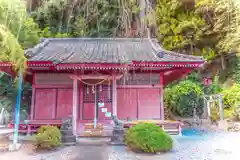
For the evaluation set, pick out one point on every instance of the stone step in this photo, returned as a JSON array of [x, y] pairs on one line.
[[3, 127], [69, 143], [68, 139], [6, 131], [172, 132]]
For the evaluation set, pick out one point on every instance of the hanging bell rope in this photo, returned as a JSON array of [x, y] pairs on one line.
[[90, 83]]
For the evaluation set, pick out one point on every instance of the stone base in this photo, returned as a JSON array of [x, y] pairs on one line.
[[68, 139], [118, 136], [14, 147], [116, 143], [23, 138]]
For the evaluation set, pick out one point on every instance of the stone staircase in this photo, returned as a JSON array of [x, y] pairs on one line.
[[101, 130]]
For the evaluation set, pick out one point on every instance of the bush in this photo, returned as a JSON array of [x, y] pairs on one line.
[[148, 137], [231, 96], [48, 137], [183, 97]]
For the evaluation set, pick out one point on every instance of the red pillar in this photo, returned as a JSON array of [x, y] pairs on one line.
[[33, 98], [161, 96], [75, 105], [114, 94], [32, 104]]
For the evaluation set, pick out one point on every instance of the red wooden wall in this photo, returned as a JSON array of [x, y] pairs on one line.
[[133, 103], [52, 103], [45, 104], [149, 104], [138, 103], [64, 102], [127, 103]]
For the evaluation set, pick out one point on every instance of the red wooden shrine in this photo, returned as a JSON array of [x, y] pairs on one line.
[[98, 77]]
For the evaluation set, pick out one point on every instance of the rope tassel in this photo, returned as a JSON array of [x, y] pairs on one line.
[[93, 89]]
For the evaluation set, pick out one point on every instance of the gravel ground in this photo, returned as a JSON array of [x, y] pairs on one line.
[[209, 147]]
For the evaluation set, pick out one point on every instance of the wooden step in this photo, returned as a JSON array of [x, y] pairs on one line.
[[171, 129], [93, 132]]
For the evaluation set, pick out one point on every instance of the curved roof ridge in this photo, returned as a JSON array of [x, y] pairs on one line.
[[95, 38], [161, 49], [37, 48]]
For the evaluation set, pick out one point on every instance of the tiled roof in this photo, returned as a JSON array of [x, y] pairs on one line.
[[104, 50]]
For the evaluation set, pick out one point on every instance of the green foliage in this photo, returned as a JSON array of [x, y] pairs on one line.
[[80, 27], [11, 50], [222, 17], [231, 96], [14, 16], [17, 32], [205, 27], [78, 19], [48, 137], [233, 70], [183, 97], [231, 99], [28, 36], [148, 137], [180, 28], [215, 88], [235, 115]]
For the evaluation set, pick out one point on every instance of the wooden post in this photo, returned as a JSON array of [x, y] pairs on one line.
[[205, 108], [161, 97], [208, 110], [221, 108], [32, 104], [142, 15], [179, 130], [114, 94], [75, 105], [95, 107]]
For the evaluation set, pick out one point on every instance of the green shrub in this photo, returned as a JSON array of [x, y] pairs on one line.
[[183, 97], [48, 137], [231, 96], [148, 137]]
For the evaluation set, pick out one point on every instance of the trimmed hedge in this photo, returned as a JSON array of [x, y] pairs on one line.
[[148, 137], [48, 137]]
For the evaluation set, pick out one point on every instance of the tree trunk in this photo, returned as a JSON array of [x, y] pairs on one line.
[[142, 15]]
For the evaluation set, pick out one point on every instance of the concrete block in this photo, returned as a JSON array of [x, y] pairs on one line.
[[14, 147]]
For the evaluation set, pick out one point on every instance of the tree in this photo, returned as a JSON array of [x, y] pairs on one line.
[[11, 50], [209, 28], [17, 32], [105, 18], [14, 17]]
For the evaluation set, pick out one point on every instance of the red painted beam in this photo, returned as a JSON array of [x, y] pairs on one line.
[[174, 64], [176, 75], [7, 70]]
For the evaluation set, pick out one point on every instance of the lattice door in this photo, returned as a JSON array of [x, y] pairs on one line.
[[103, 95]]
